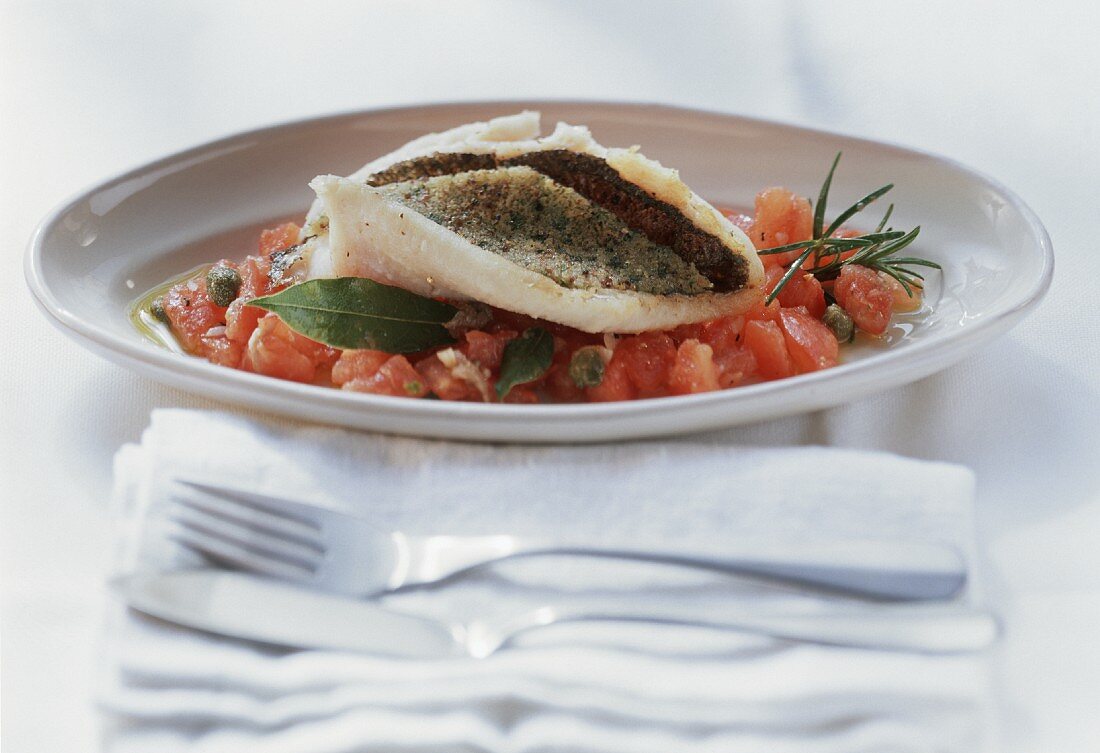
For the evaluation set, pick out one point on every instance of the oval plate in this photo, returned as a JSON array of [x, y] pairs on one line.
[[92, 257]]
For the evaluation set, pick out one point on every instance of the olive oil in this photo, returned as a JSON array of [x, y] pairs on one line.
[[145, 322]]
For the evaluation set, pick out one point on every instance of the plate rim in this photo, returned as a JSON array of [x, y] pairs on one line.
[[163, 360]]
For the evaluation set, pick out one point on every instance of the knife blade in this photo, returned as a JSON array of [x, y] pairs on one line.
[[275, 612]]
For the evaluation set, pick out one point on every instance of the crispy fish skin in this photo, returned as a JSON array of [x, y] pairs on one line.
[[362, 231]]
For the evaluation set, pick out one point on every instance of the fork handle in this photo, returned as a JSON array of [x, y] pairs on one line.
[[896, 570], [910, 628]]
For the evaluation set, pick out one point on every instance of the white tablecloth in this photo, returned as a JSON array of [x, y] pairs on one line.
[[91, 89]]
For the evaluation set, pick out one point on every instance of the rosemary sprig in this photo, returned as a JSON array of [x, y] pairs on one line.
[[875, 250]]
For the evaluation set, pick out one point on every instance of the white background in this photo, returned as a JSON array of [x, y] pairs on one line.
[[90, 89]]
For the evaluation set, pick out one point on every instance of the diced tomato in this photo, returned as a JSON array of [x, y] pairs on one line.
[[647, 359], [616, 384], [219, 349], [255, 277], [560, 385], [558, 382], [277, 238], [357, 364], [772, 276], [276, 350], [694, 369], [322, 354], [803, 289], [866, 298], [782, 217], [442, 383], [765, 342], [191, 312], [722, 334], [812, 345], [404, 380], [735, 366], [271, 351], [765, 339], [488, 349], [241, 320], [394, 376]]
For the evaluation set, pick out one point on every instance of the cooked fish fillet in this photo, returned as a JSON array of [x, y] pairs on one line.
[[558, 228]]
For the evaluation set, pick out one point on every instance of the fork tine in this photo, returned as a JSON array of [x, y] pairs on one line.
[[236, 556], [290, 511], [249, 539], [229, 509]]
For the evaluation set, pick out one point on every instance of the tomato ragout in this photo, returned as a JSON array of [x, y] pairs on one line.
[[795, 334]]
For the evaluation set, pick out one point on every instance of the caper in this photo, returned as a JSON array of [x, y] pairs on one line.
[[156, 308], [586, 367], [223, 284], [838, 320]]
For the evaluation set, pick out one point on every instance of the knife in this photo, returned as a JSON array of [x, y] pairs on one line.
[[270, 611], [245, 606]]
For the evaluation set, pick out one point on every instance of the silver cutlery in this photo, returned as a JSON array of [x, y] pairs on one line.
[[336, 552], [254, 608]]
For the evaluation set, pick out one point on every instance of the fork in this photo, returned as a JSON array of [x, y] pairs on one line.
[[336, 552]]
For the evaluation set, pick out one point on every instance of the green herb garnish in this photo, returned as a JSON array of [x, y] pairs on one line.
[[525, 359], [356, 313], [874, 250]]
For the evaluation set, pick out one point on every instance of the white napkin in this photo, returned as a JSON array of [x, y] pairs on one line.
[[574, 687]]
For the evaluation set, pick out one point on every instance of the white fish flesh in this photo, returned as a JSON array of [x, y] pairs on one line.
[[558, 228]]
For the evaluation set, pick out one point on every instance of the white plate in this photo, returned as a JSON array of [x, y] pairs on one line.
[[94, 255]]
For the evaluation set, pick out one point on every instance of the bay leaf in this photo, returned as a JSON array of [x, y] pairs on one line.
[[525, 359], [357, 313]]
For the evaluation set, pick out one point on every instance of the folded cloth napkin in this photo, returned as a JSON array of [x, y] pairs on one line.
[[593, 687]]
